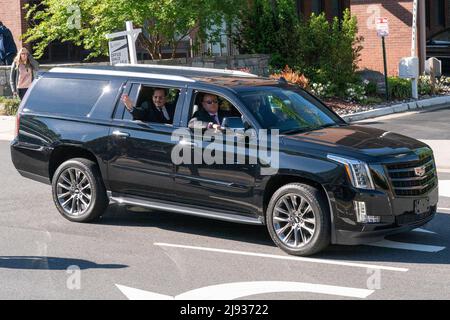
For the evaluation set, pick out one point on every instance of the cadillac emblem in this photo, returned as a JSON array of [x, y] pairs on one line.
[[420, 172]]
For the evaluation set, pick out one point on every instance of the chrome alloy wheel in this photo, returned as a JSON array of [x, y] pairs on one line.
[[74, 192], [294, 220]]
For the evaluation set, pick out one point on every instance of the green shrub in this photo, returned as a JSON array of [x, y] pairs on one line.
[[329, 52], [10, 105], [425, 87], [371, 88], [399, 88], [374, 100], [320, 90], [325, 52], [356, 92], [270, 28]]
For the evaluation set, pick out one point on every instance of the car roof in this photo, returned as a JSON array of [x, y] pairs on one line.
[[218, 77]]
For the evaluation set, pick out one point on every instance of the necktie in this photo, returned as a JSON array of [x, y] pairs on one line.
[[164, 113], [216, 119]]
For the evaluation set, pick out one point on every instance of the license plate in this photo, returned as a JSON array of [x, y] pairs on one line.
[[421, 206]]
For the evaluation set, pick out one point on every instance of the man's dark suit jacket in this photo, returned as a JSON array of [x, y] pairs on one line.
[[202, 118], [147, 112]]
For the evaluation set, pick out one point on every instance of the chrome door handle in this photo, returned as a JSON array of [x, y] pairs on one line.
[[120, 134]]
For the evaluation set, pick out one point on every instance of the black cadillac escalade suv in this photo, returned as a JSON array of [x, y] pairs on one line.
[[319, 181]]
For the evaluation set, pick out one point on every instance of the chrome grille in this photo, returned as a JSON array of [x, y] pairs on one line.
[[406, 183]]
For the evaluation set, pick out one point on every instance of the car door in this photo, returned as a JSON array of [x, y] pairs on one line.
[[221, 186], [140, 163]]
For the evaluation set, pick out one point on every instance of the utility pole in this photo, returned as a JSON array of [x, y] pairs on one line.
[[414, 81], [423, 35]]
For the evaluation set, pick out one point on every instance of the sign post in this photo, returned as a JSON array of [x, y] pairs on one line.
[[383, 31], [131, 35]]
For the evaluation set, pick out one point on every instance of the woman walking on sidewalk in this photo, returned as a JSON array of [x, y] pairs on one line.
[[23, 71]]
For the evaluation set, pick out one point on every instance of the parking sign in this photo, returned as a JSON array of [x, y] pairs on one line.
[[382, 27]]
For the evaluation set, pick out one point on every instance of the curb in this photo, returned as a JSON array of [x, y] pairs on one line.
[[398, 108]]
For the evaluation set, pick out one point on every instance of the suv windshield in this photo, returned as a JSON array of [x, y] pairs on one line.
[[288, 109]]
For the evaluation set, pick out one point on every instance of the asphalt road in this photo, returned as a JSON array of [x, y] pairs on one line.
[[165, 255]]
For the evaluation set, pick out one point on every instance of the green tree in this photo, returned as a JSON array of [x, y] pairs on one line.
[[329, 51], [325, 52], [164, 22], [270, 27]]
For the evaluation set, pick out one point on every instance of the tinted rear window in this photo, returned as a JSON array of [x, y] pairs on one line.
[[74, 97]]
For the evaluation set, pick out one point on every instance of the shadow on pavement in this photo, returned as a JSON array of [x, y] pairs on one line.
[[146, 218], [258, 235], [51, 263]]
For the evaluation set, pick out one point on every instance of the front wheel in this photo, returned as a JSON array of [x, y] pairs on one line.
[[78, 190], [298, 219]]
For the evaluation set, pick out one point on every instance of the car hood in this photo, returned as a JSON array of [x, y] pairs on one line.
[[349, 139]]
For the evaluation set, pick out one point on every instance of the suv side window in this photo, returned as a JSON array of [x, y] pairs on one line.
[[73, 97], [197, 111], [142, 96]]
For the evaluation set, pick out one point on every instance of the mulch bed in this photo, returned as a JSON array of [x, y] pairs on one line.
[[343, 107]]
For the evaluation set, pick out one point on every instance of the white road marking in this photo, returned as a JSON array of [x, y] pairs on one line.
[[444, 188], [444, 209], [231, 291], [424, 231], [406, 246], [137, 294], [292, 258]]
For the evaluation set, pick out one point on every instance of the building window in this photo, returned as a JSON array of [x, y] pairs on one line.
[[440, 8], [317, 6], [337, 8], [300, 7], [435, 13]]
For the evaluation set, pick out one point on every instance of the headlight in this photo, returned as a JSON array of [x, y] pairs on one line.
[[357, 171]]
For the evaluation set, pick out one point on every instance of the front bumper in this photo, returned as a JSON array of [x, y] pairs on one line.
[[397, 215], [345, 237]]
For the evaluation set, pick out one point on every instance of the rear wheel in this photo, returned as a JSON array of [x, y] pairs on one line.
[[298, 219], [78, 190]]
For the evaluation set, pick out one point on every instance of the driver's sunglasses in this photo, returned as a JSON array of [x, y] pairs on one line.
[[211, 101]]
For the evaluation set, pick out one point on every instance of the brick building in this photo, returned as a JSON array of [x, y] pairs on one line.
[[13, 16], [399, 13], [400, 17]]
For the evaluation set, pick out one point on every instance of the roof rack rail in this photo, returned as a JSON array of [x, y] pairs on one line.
[[120, 73], [211, 70]]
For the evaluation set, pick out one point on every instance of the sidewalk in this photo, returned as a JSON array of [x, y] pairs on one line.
[[398, 108], [7, 126]]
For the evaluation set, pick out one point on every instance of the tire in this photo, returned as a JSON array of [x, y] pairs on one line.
[[294, 230], [78, 190]]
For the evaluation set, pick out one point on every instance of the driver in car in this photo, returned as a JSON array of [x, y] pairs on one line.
[[209, 116]]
